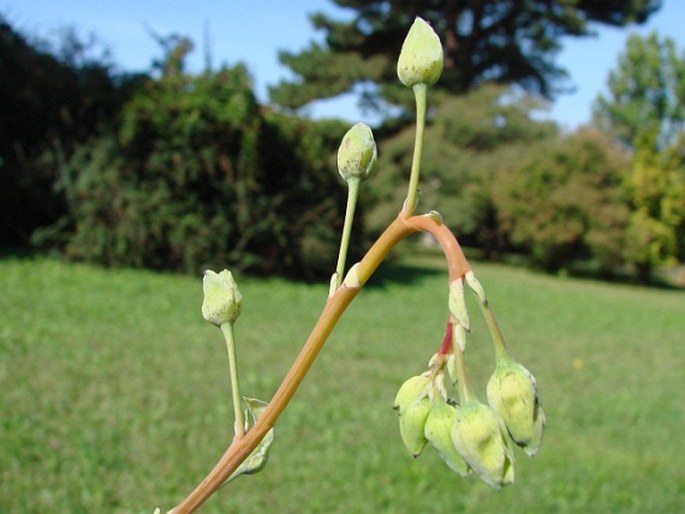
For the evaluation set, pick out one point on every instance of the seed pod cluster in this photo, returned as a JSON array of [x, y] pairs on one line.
[[471, 436]]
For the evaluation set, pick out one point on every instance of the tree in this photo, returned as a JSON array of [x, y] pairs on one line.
[[52, 99], [645, 110], [504, 41], [656, 189], [562, 201], [646, 93], [469, 139], [198, 174]]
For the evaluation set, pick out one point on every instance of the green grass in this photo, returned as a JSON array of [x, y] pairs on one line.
[[114, 393]]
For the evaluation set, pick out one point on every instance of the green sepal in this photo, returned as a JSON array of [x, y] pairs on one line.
[[256, 461]]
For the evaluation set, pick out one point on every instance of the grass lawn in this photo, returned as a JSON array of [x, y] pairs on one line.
[[114, 393]]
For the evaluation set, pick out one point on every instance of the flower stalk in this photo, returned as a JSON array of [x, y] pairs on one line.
[[227, 330], [413, 190], [468, 435], [501, 353], [336, 305], [352, 197]]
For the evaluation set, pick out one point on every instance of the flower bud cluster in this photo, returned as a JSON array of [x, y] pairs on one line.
[[426, 417], [471, 436]]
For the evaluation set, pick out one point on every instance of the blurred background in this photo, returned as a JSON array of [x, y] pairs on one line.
[[556, 132], [142, 144]]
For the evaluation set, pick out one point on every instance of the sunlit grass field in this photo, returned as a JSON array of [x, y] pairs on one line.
[[114, 393]]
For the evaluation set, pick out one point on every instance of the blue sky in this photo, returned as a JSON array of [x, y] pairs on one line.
[[252, 31]]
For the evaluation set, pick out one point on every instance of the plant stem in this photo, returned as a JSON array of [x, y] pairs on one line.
[[466, 393], [229, 337], [352, 196], [446, 345], [501, 353], [241, 448], [411, 201]]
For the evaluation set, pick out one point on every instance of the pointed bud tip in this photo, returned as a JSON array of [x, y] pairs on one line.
[[421, 57]]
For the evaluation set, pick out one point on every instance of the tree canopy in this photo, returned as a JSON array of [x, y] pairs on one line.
[[646, 93], [51, 99], [503, 41], [645, 110]]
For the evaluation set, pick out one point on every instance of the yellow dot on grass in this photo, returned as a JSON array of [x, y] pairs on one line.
[[578, 363]]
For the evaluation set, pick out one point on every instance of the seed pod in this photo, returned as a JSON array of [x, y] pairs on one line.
[[438, 432], [412, 423], [480, 438], [412, 390], [222, 301], [513, 394], [421, 58]]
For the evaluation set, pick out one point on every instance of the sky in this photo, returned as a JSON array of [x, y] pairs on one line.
[[253, 31]]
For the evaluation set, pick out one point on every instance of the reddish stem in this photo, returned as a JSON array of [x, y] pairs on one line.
[[446, 346]]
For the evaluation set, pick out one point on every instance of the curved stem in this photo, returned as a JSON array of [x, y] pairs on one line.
[[229, 337], [241, 448], [411, 201], [457, 265], [352, 196]]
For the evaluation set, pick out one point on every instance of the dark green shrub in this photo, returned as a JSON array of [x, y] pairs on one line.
[[563, 201], [50, 101], [199, 175]]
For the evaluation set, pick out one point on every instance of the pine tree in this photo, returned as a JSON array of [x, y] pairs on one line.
[[504, 41]]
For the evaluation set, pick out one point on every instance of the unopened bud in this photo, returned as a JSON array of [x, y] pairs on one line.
[[438, 432], [222, 300], [412, 424], [421, 58], [480, 438], [513, 394], [411, 391], [357, 155]]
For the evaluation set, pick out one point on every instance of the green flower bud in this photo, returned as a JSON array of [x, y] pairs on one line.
[[412, 423], [222, 300], [421, 59], [478, 435], [438, 432], [411, 391], [513, 394], [357, 155]]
